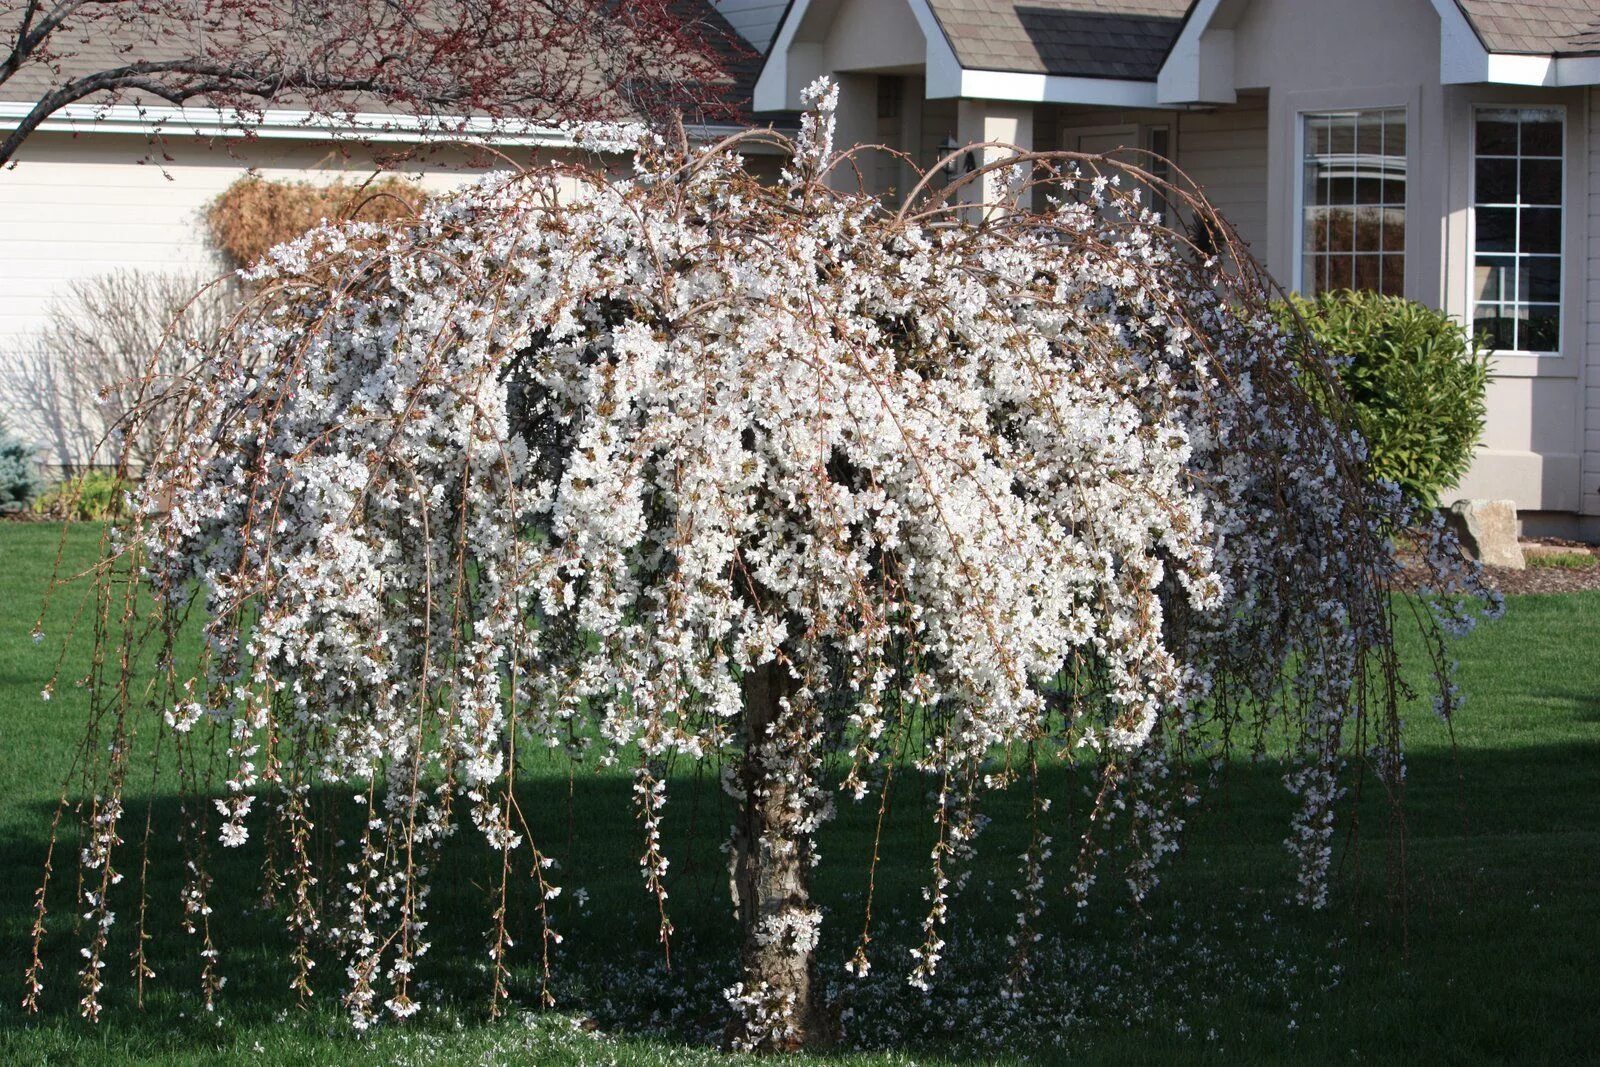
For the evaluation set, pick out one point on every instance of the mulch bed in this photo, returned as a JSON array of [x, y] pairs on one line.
[[1549, 579], [1535, 579]]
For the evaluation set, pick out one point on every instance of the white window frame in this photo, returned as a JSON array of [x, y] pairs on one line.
[[1471, 313], [1297, 165]]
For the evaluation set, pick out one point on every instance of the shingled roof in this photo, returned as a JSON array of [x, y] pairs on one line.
[[1076, 38], [1131, 38], [117, 43], [1536, 27]]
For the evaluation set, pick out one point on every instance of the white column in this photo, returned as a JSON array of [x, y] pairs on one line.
[[991, 120]]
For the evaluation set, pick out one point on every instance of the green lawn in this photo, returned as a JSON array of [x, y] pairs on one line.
[[1487, 948]]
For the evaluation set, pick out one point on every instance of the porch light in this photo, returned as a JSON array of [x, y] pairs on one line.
[[946, 147]]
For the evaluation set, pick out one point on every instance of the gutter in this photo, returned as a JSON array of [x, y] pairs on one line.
[[287, 124]]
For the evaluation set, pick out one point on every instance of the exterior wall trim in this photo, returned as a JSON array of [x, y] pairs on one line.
[[1199, 67], [146, 121], [1295, 106], [1051, 89], [1549, 71]]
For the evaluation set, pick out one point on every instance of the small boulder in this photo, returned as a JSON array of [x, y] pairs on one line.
[[1488, 531]]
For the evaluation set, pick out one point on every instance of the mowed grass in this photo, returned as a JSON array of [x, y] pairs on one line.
[[1467, 934]]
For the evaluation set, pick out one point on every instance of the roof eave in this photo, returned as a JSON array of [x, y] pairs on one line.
[[1465, 58], [288, 124], [1035, 88], [1551, 71]]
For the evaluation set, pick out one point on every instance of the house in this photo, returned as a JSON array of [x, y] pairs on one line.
[[1444, 150], [1437, 149]]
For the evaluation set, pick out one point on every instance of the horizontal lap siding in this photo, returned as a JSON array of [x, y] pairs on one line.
[[74, 209], [1590, 477], [1225, 153], [79, 207]]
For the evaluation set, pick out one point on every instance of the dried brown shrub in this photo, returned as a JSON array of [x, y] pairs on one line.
[[255, 214]]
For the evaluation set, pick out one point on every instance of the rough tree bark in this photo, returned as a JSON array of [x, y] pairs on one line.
[[771, 877]]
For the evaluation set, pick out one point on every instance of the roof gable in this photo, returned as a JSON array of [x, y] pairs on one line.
[[1075, 38]]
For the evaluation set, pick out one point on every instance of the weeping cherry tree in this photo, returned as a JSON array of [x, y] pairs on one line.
[[690, 467]]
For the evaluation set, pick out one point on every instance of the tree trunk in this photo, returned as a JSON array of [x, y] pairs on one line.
[[779, 1004]]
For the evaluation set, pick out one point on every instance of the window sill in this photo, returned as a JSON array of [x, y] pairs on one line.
[[1532, 365]]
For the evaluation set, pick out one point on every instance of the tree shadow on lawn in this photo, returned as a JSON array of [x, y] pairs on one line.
[[1218, 960]]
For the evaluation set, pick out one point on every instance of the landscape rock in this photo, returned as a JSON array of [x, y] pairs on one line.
[[1488, 531]]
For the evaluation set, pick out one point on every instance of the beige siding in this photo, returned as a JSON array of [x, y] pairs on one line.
[[1589, 477], [74, 208], [77, 208], [1225, 153]]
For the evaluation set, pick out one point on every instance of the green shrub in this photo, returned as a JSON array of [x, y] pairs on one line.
[[1416, 380], [19, 475], [91, 497]]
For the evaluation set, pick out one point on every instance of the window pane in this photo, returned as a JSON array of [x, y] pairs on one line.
[[1542, 330], [1316, 230], [1541, 230], [1341, 229], [1495, 330], [1317, 136], [1369, 134], [1394, 276], [1497, 133], [1496, 181], [1492, 278], [1497, 229], [1540, 279], [1394, 136], [1394, 229], [1541, 181], [1541, 132], [1368, 273], [1394, 190]]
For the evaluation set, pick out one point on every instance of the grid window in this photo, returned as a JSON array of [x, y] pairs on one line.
[[1518, 167], [1353, 230]]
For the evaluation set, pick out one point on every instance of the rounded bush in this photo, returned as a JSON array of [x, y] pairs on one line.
[[1416, 381], [19, 476]]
